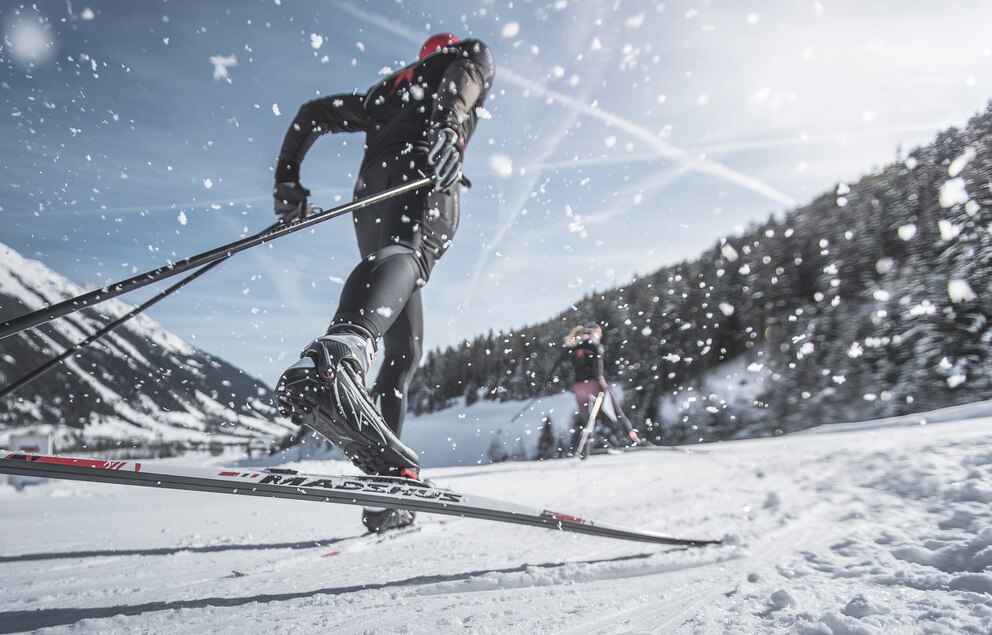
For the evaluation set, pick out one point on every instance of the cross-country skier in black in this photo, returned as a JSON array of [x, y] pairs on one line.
[[417, 121], [583, 347]]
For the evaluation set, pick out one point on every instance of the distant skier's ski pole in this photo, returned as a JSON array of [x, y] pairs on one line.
[[586, 439], [524, 409], [41, 316]]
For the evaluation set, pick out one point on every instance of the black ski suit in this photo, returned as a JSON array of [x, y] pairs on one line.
[[402, 238]]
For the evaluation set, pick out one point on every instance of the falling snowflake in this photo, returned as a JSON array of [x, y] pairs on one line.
[[948, 230], [957, 165], [635, 21], [953, 192], [956, 380], [907, 231], [729, 252], [221, 64], [501, 165], [958, 290]]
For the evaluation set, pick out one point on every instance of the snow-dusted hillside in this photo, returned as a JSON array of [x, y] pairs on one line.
[[875, 528], [138, 383]]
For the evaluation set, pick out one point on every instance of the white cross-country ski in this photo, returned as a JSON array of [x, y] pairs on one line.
[[374, 491]]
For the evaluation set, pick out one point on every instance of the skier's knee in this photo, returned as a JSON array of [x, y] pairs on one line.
[[416, 258]]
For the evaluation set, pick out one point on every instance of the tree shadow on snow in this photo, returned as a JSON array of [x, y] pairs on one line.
[[17, 621]]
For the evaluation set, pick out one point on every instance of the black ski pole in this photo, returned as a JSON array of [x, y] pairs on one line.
[[30, 320], [75, 348]]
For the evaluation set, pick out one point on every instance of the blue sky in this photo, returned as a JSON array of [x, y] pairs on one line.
[[624, 136]]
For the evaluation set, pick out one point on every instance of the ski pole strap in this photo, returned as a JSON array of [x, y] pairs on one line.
[[72, 305]]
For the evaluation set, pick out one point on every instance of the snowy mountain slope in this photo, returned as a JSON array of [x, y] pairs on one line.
[[138, 383], [882, 529]]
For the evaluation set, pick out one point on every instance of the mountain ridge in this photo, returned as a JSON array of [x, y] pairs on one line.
[[139, 383]]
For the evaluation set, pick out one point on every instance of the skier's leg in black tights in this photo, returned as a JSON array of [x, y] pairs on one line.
[[378, 290], [400, 240], [402, 345]]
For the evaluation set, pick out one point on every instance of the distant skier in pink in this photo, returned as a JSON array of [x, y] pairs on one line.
[[583, 346]]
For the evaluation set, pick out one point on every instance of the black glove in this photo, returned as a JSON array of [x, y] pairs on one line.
[[444, 157], [290, 201]]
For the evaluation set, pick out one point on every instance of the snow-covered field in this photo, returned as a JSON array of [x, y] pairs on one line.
[[880, 529]]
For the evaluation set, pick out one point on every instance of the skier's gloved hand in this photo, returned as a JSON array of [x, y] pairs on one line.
[[445, 157], [290, 201]]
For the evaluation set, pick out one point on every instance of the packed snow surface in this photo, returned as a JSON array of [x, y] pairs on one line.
[[865, 529]]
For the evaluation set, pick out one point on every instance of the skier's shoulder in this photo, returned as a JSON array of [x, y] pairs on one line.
[[473, 48], [478, 52], [429, 69]]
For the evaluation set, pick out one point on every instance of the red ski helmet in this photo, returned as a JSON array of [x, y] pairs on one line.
[[437, 42]]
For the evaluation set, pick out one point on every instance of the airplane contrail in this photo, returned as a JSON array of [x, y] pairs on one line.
[[661, 147]]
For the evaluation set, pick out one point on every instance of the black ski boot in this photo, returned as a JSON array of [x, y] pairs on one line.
[[379, 520], [325, 391]]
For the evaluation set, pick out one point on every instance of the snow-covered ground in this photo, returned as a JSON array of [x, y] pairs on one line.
[[885, 528]]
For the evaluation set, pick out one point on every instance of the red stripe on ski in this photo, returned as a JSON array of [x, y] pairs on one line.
[[568, 518], [229, 473], [57, 460]]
